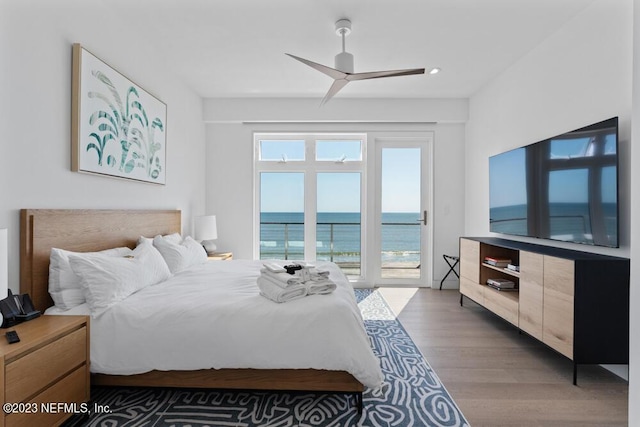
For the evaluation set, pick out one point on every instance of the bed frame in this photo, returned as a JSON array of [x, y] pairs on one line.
[[94, 230]]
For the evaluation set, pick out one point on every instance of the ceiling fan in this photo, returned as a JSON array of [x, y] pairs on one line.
[[343, 71]]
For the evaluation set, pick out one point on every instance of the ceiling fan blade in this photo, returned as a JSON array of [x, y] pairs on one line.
[[378, 74], [335, 88], [331, 72]]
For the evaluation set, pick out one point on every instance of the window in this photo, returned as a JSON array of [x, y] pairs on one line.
[[281, 215], [309, 193], [339, 151], [338, 220], [281, 150]]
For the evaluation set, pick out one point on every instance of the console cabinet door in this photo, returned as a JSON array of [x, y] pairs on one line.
[[558, 297], [531, 293], [470, 260]]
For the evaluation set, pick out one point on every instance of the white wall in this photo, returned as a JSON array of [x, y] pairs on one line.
[[35, 116], [338, 110], [580, 75], [232, 122]]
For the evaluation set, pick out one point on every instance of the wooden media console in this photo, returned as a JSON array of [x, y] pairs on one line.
[[575, 302]]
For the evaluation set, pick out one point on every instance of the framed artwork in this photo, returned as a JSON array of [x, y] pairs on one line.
[[118, 128]]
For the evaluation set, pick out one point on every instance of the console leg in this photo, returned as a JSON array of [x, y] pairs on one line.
[[461, 299], [575, 373]]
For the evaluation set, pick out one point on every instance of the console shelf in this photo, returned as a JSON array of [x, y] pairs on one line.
[[575, 302], [502, 270]]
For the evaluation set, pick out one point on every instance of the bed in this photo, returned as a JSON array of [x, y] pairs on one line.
[[93, 230]]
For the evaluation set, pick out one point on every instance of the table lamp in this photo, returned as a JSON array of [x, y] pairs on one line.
[[206, 231]]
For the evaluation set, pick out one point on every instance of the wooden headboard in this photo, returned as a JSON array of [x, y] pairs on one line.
[[80, 231]]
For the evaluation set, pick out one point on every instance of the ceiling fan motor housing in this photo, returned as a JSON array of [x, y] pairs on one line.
[[344, 62]]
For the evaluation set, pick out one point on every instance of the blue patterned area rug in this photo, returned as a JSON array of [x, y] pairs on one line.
[[413, 396]]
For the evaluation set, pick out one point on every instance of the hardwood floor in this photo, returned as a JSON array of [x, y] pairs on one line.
[[499, 377]]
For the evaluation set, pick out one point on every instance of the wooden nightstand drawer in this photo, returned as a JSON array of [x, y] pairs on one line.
[[70, 389], [27, 375]]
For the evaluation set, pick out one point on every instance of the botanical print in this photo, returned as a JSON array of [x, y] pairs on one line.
[[121, 127]]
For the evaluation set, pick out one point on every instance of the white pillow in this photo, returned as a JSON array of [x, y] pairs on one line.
[[179, 256], [64, 285], [108, 280], [175, 237]]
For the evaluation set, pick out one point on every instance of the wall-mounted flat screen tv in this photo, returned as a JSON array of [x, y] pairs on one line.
[[563, 188]]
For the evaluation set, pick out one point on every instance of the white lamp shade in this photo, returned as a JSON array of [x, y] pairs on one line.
[[205, 228], [4, 264]]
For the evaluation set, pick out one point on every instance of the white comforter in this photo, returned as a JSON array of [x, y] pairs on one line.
[[212, 316]]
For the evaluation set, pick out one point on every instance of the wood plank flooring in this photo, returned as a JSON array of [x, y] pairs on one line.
[[499, 377]]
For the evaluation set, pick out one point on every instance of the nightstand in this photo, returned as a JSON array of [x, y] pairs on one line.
[[50, 365], [220, 256]]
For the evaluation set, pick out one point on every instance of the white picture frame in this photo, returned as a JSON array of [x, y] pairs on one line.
[[118, 128]]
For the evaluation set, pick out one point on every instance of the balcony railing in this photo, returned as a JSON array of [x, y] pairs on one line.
[[282, 246], [332, 225]]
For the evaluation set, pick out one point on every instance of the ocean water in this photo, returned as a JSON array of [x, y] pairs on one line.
[[338, 236]]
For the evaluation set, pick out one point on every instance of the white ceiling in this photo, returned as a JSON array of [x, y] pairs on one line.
[[235, 48]]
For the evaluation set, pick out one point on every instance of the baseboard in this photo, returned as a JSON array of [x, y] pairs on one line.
[[620, 370]]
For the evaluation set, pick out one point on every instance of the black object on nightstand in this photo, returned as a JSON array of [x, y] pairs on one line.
[[15, 309], [12, 337]]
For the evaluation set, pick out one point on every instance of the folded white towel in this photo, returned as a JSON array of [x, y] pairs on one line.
[[277, 266], [320, 273], [315, 287], [274, 292], [304, 264], [282, 279], [274, 267], [278, 282]]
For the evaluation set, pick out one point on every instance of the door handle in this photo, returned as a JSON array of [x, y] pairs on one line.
[[423, 220]]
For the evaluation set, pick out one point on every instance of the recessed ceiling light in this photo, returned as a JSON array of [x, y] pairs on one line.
[[434, 71]]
